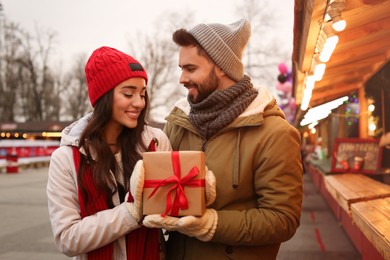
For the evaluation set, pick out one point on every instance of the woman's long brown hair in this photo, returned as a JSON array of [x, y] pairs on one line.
[[92, 137]]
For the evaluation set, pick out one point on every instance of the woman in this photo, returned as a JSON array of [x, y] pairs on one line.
[[93, 215]]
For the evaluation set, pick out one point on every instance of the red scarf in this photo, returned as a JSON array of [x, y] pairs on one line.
[[142, 243]]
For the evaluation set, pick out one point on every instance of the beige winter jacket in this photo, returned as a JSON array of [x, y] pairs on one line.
[[257, 164], [74, 236]]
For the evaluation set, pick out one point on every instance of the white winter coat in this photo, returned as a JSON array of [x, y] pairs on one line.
[[74, 236]]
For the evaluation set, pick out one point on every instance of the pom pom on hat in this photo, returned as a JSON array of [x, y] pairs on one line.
[[225, 44], [108, 67]]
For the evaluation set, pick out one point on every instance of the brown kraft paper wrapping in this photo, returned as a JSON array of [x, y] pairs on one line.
[[159, 167]]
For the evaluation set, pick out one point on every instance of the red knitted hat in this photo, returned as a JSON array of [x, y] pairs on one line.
[[108, 67]]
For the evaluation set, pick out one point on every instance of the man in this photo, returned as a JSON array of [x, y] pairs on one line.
[[252, 150]]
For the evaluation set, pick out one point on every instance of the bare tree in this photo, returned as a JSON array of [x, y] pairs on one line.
[[76, 101], [30, 89], [263, 53], [9, 71], [52, 99], [36, 94], [159, 56]]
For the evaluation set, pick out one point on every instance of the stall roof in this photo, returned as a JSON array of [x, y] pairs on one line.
[[363, 47]]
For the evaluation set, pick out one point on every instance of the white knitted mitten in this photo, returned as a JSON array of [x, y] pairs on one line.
[[210, 187], [203, 228], [136, 188]]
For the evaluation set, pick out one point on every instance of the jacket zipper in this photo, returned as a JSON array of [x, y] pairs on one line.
[[204, 146]]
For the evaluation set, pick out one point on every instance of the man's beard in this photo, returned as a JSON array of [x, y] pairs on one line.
[[208, 86]]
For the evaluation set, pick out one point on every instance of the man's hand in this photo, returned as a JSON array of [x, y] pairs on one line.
[[203, 228], [210, 187]]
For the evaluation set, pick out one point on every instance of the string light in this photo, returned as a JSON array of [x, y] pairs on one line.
[[338, 23], [322, 111], [325, 45]]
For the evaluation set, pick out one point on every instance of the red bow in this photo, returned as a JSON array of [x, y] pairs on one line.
[[180, 200]]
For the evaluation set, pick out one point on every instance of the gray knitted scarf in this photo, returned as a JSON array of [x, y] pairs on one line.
[[221, 107]]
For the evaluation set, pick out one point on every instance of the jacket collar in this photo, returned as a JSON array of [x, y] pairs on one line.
[[262, 106]]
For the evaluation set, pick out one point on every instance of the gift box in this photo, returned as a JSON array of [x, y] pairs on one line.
[[174, 183]]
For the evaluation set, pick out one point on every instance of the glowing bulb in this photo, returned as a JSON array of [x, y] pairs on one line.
[[310, 82], [339, 25], [371, 108], [319, 71]]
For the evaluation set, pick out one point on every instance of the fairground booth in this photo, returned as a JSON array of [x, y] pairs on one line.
[[28, 144], [341, 84]]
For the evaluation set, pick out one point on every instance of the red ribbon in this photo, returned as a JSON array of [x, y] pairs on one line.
[[180, 199]]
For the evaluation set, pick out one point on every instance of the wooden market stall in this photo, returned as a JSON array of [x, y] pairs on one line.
[[357, 66]]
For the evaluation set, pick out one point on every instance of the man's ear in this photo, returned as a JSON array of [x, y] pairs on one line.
[[220, 72]]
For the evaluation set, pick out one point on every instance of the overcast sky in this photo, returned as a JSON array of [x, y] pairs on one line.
[[84, 25]]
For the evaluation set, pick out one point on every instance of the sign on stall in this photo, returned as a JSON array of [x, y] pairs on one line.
[[356, 155]]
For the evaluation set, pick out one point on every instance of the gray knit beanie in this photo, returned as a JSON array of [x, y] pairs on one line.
[[225, 44]]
